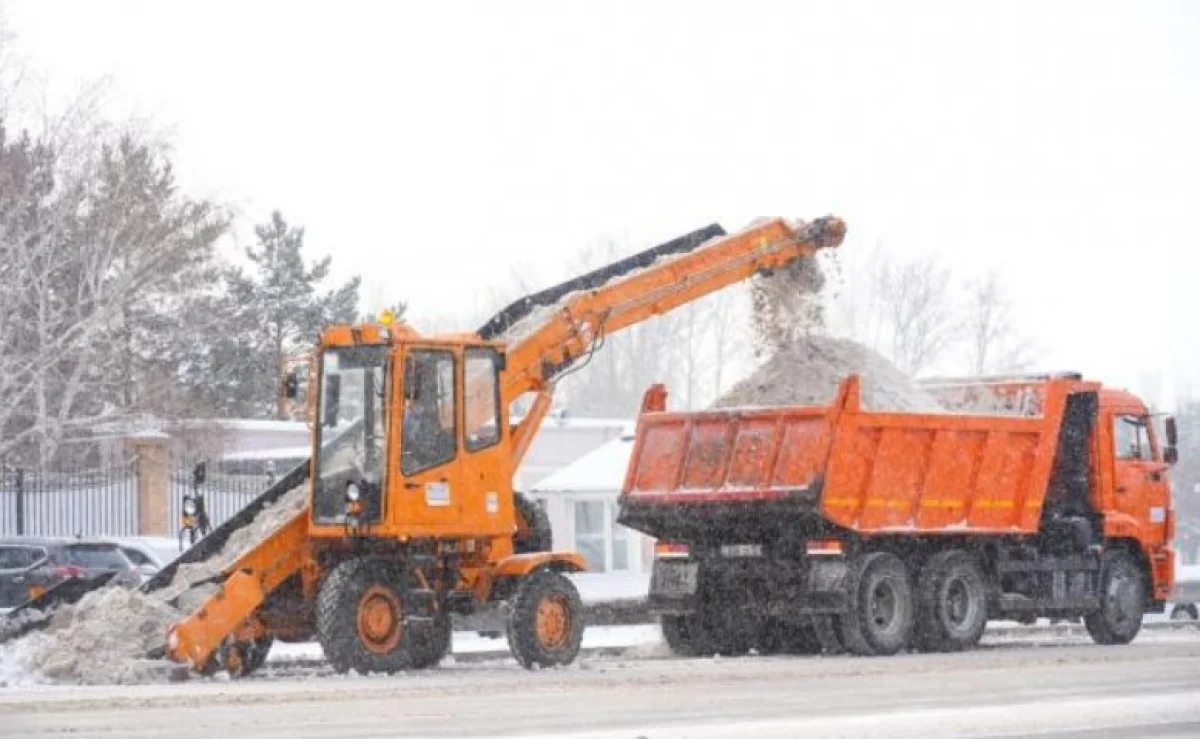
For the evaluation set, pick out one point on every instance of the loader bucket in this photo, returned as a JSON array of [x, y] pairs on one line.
[[36, 613]]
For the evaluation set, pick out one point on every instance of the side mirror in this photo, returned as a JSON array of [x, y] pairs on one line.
[[1171, 452], [199, 473], [291, 385], [333, 398]]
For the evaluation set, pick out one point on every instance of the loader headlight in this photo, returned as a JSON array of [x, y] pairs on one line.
[[189, 507], [352, 493]]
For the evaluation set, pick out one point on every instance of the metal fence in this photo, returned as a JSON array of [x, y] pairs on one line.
[[100, 501]]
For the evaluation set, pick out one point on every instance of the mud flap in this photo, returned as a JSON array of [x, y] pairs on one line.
[[674, 586], [825, 586]]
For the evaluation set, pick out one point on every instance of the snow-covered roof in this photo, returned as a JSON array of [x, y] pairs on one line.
[[294, 452], [601, 470]]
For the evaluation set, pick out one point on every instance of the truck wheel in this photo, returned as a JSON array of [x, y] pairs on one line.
[[786, 637], [545, 623], [533, 526], [1122, 600], [686, 635], [881, 613], [951, 603], [827, 628], [362, 618]]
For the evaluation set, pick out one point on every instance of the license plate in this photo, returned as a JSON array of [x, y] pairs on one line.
[[674, 578], [741, 550]]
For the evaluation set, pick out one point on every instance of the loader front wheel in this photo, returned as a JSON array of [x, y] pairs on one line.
[[432, 651], [881, 615], [362, 618], [545, 621]]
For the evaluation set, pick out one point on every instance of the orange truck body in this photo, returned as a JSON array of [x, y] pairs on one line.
[[840, 470]]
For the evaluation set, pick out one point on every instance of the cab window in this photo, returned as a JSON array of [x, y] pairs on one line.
[[428, 434], [482, 410], [1132, 439]]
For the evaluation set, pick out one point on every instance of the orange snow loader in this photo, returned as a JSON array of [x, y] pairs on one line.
[[409, 513], [834, 528]]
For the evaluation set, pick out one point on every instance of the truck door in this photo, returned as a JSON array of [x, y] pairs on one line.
[[1140, 488], [429, 455]]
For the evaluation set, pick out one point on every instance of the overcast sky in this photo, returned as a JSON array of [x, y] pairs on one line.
[[432, 147]]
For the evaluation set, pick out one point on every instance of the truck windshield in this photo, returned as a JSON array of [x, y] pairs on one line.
[[350, 431]]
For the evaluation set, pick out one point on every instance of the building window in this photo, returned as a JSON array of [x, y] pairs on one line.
[[599, 538]]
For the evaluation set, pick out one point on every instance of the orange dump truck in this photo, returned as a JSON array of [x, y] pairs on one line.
[[835, 528]]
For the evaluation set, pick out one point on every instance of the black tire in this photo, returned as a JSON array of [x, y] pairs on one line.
[[686, 635], [1185, 612], [533, 530], [951, 603], [433, 650], [351, 635], [1122, 599], [827, 629], [535, 638], [882, 611], [241, 659], [776, 636]]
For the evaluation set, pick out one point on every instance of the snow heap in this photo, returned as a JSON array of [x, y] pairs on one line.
[[105, 637], [804, 366]]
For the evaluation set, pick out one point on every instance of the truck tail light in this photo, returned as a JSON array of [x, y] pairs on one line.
[[819, 547], [665, 550]]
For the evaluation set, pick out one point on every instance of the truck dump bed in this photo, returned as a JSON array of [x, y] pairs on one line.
[[839, 465]]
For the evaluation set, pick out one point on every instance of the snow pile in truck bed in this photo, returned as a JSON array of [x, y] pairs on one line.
[[106, 636], [808, 372], [804, 367]]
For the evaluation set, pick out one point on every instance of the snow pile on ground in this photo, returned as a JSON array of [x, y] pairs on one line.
[[106, 636]]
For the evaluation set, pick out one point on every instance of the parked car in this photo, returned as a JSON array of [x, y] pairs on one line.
[[148, 553], [32, 565]]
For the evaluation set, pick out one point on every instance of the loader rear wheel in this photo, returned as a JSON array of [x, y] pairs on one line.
[[432, 651], [533, 526], [545, 621], [1122, 600], [881, 614], [362, 619], [952, 603]]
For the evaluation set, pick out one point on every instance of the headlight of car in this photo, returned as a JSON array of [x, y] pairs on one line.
[[189, 507]]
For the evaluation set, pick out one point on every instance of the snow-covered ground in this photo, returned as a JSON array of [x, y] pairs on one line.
[[1007, 687]]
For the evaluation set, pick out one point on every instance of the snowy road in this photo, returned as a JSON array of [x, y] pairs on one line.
[[1008, 688]]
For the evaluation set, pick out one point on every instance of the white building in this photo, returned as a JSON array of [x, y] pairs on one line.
[[581, 501]]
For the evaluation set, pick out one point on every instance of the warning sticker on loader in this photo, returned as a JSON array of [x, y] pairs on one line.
[[437, 494]]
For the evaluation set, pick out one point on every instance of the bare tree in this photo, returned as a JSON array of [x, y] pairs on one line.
[[992, 342]]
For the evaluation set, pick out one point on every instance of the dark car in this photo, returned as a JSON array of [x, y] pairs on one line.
[[30, 565]]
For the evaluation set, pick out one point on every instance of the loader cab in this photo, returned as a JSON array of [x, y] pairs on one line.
[[411, 439]]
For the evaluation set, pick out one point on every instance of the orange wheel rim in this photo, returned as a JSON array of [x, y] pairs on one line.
[[380, 619], [234, 663], [553, 621]]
